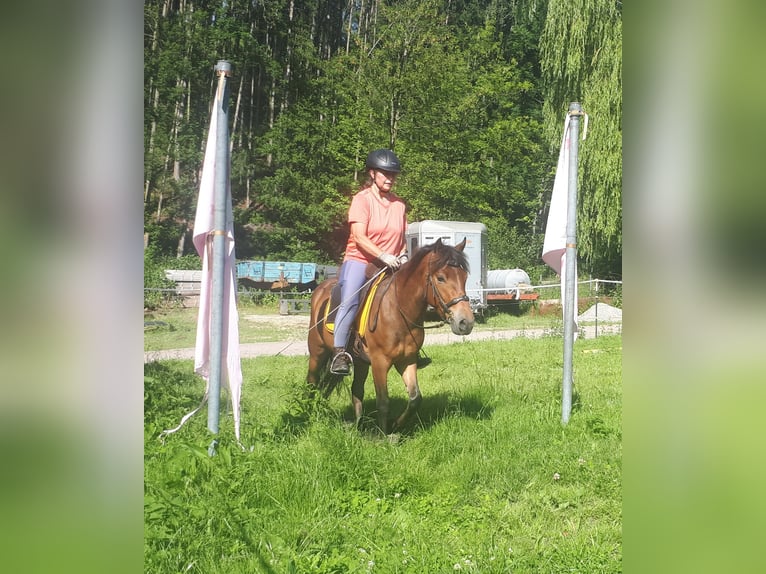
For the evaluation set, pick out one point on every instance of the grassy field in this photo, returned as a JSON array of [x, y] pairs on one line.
[[487, 480], [175, 328]]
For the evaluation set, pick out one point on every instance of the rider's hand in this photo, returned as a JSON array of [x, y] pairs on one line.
[[403, 258], [389, 260]]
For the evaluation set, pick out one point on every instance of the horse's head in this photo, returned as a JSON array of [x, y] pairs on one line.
[[447, 273]]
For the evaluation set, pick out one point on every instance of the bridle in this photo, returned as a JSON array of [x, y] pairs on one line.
[[443, 308]]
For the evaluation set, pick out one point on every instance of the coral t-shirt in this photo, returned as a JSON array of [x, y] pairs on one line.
[[386, 221]]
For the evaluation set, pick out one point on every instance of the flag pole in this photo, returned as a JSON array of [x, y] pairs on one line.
[[575, 111], [223, 69]]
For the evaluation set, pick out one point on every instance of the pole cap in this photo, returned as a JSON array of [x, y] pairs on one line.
[[223, 67]]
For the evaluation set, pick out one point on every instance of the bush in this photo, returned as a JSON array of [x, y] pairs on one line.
[[617, 296], [192, 262], [154, 274], [509, 248], [154, 278], [258, 297]]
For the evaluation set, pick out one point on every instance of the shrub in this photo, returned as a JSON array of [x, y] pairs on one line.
[[154, 278]]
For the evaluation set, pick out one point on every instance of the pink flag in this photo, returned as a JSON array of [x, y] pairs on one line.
[[203, 241], [554, 245], [204, 229]]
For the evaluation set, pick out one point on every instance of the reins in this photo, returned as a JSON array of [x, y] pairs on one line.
[[411, 323]]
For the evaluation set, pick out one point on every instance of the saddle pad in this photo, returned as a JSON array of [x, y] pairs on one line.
[[329, 318], [368, 305]]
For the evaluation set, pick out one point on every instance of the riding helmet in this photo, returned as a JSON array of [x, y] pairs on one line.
[[383, 159]]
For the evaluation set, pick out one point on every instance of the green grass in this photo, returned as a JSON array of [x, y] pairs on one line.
[[487, 480], [177, 327]]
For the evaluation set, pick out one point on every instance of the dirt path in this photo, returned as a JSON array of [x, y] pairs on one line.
[[442, 336]]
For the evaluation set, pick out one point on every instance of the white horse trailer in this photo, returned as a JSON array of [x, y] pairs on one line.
[[451, 233]]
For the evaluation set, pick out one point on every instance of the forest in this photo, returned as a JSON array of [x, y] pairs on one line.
[[471, 95]]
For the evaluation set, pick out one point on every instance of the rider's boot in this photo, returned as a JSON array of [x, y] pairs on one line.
[[341, 362]]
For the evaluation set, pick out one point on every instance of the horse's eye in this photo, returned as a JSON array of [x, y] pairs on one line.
[[441, 279]]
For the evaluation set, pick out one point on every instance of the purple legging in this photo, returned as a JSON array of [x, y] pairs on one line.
[[350, 279]]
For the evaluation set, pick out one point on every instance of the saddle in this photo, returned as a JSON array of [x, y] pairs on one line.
[[366, 298]]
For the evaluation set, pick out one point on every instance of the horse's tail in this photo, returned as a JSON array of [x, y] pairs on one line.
[[320, 347], [326, 382], [329, 382]]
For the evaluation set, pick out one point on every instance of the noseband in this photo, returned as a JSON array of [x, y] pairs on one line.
[[444, 307]]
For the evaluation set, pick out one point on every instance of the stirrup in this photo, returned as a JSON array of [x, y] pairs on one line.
[[339, 357]]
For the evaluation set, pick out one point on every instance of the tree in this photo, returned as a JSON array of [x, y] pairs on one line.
[[581, 60], [452, 85]]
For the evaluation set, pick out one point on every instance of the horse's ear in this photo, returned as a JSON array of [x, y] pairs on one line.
[[460, 246], [438, 242]]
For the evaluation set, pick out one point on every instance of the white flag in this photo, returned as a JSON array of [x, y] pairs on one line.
[[203, 235], [203, 241], [554, 245]]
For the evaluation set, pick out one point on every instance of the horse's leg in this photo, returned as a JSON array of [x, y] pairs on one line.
[[380, 369], [410, 377], [357, 389]]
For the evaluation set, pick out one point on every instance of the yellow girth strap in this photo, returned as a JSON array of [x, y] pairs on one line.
[[365, 313], [368, 304], [327, 325]]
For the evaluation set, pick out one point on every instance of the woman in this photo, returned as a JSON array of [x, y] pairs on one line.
[[378, 222]]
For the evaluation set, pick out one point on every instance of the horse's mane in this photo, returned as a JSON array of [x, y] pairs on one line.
[[443, 255]]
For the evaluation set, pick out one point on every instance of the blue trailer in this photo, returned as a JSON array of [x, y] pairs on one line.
[[277, 274]]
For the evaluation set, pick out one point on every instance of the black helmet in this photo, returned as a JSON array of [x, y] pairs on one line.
[[383, 159]]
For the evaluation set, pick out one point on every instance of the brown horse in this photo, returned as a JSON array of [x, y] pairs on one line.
[[394, 333]]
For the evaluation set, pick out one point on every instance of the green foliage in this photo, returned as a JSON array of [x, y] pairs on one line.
[[510, 249], [259, 297], [163, 238], [457, 88], [581, 57], [192, 262], [155, 264], [487, 480], [154, 278], [615, 292]]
